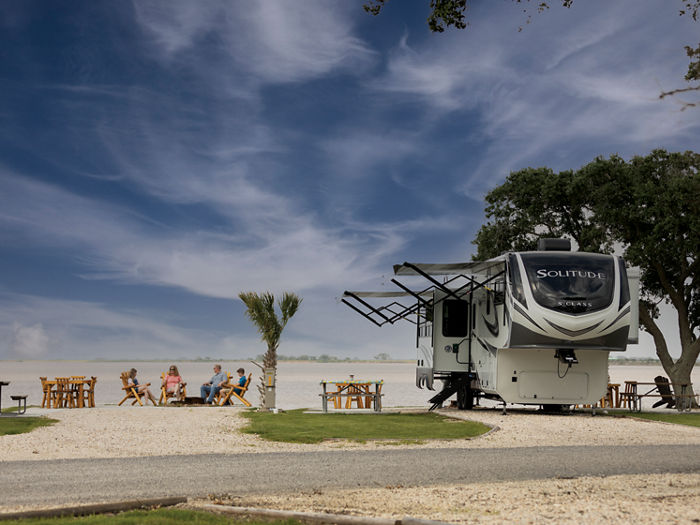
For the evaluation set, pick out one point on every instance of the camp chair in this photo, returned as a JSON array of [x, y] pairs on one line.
[[130, 390], [662, 385], [229, 390], [165, 395]]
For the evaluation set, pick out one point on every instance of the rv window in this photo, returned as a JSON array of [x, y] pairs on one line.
[[515, 280], [570, 282], [455, 318], [624, 283]]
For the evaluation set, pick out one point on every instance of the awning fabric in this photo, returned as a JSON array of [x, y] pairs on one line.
[[449, 268]]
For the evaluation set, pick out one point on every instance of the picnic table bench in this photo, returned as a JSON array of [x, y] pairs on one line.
[[353, 390]]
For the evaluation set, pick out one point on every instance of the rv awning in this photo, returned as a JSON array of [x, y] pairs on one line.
[[449, 268], [388, 294]]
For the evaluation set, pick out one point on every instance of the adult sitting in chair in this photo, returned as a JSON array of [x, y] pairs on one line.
[[173, 385], [666, 396], [141, 389], [209, 390]]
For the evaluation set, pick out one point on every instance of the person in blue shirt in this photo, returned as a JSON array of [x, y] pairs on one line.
[[209, 390], [240, 381]]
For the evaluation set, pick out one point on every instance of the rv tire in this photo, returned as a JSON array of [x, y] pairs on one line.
[[465, 396]]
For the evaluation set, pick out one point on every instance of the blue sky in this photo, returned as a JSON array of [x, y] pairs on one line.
[[157, 158]]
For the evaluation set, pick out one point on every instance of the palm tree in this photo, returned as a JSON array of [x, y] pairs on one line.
[[260, 308]]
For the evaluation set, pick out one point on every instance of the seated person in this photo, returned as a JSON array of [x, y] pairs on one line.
[[240, 381], [209, 390], [141, 389], [173, 383]]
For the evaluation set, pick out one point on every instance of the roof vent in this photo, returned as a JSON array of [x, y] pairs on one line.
[[553, 245]]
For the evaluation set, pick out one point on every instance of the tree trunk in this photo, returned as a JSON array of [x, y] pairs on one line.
[[269, 361], [679, 371]]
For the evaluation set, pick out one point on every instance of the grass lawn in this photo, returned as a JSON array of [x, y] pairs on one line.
[[153, 517], [20, 425], [296, 427], [690, 419]]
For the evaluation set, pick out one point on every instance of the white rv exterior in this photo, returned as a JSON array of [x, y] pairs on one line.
[[525, 327]]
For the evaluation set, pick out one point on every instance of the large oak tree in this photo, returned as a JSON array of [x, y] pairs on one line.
[[647, 208]]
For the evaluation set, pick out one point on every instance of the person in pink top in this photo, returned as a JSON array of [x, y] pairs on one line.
[[173, 383]]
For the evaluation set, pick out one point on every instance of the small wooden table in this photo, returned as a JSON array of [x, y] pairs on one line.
[[353, 390]]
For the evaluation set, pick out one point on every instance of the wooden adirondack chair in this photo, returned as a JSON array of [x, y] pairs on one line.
[[220, 394], [165, 395], [130, 390], [229, 390]]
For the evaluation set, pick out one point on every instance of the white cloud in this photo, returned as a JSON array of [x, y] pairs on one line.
[[274, 41], [28, 342]]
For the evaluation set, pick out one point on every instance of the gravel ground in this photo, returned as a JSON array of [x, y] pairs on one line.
[[145, 431], [108, 432], [648, 499]]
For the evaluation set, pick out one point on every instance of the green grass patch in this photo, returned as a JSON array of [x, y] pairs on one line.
[[690, 419], [296, 427], [20, 425], [153, 517]]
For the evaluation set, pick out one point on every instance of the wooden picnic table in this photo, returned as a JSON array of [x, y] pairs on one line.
[[75, 396], [357, 391], [681, 394]]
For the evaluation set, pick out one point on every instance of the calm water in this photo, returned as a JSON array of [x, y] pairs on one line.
[[297, 382]]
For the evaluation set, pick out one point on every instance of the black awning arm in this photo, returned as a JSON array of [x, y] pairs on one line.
[[367, 305], [363, 314], [429, 278]]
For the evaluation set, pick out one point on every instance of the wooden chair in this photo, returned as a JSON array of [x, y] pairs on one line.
[[130, 390], [356, 391], [627, 396], [89, 393], [63, 395], [230, 390], [77, 385], [369, 399], [46, 389], [165, 395]]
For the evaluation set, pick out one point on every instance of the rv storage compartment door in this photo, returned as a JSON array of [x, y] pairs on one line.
[[535, 376]]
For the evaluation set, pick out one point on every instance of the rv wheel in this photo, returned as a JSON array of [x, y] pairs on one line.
[[465, 397]]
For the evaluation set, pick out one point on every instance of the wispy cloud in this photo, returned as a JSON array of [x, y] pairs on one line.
[[272, 41]]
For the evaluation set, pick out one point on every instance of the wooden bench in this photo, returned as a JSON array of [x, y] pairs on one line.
[[21, 403]]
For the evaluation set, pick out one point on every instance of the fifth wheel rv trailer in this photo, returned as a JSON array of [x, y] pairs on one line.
[[530, 328]]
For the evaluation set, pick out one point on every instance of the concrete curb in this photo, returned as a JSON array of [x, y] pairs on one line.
[[311, 517], [102, 508]]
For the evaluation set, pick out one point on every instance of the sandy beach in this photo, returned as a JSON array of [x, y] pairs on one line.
[[107, 432]]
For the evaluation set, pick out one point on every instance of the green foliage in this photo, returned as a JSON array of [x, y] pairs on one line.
[[260, 309], [295, 426], [21, 425], [155, 517]]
